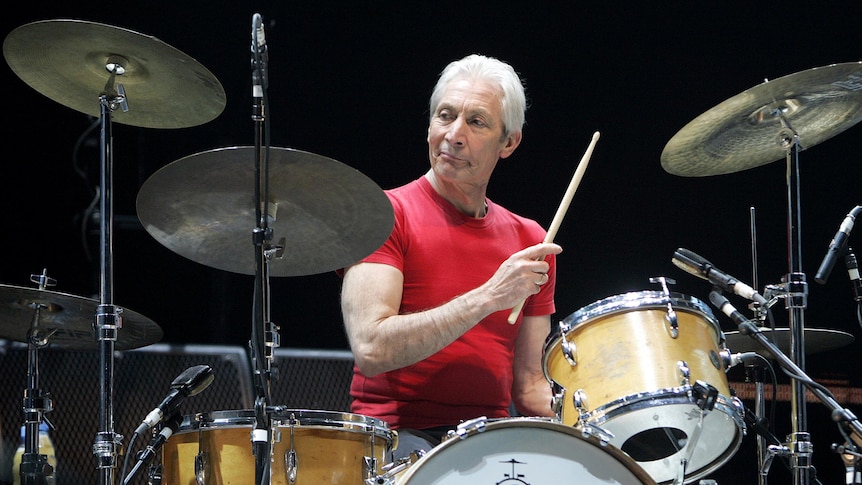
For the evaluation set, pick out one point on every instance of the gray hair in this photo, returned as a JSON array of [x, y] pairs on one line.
[[476, 66]]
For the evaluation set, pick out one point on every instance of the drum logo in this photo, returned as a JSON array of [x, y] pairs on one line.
[[510, 478]]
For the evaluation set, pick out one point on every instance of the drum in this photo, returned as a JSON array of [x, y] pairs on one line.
[[521, 451], [311, 447], [633, 365]]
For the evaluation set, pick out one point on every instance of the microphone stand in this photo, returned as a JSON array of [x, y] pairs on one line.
[[755, 374], [264, 333], [34, 468], [839, 415]]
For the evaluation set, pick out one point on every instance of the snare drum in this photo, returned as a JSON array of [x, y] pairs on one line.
[[520, 451], [313, 446], [629, 365]]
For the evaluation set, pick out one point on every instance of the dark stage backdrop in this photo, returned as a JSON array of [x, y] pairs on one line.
[[351, 82]]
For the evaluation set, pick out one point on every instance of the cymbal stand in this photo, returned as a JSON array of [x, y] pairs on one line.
[[107, 444], [265, 336], [796, 300], [34, 468]]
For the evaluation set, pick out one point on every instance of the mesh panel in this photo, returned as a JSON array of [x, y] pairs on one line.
[[312, 379], [142, 379]]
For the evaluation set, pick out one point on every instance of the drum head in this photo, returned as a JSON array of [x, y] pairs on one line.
[[525, 450]]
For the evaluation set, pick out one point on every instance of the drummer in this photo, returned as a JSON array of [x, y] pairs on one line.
[[426, 314]]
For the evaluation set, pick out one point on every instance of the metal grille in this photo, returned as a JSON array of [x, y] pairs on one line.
[[312, 379], [142, 379]]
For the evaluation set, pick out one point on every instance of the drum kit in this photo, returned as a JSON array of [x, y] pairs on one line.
[[641, 392]]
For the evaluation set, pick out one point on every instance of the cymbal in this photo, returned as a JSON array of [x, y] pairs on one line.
[[66, 61], [816, 340], [71, 317], [747, 130], [324, 214]]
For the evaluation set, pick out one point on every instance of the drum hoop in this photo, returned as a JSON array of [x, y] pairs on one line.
[[552, 424], [637, 300], [730, 408], [662, 397], [305, 418]]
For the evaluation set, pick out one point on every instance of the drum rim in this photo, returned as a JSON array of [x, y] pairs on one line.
[[546, 423], [634, 300], [667, 396], [307, 418], [729, 406]]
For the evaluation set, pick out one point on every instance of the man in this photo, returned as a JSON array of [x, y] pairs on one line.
[[426, 314]]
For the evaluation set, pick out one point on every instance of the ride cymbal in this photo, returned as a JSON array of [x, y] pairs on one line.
[[67, 321], [816, 340], [323, 214], [66, 60], [751, 129]]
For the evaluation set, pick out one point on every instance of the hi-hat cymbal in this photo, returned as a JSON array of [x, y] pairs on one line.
[[748, 130], [324, 214], [67, 321], [815, 340], [66, 61]]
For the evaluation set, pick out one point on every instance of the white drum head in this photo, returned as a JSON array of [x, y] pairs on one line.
[[525, 451]]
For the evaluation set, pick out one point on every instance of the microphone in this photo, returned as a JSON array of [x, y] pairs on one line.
[[259, 57], [192, 381], [168, 429], [723, 304], [691, 262], [853, 271], [734, 360], [836, 246]]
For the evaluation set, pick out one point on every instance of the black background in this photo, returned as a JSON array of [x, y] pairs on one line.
[[351, 81]]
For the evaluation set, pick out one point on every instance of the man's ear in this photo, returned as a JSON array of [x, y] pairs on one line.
[[512, 142]]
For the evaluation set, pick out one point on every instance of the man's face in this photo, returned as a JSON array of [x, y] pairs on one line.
[[465, 136]]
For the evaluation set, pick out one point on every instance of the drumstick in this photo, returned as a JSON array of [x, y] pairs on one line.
[[561, 211]]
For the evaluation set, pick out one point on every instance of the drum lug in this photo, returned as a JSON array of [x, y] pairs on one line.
[[470, 427], [370, 463], [670, 317], [201, 468], [559, 393], [391, 470], [684, 373], [291, 462], [568, 348], [579, 400], [570, 351], [589, 429], [290, 467]]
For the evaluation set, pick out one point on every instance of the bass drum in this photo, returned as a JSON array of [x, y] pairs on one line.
[[310, 448], [635, 365], [513, 451]]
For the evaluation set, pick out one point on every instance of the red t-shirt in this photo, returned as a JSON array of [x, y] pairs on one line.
[[443, 253]]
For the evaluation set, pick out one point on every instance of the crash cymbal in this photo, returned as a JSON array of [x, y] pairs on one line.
[[71, 319], [747, 130], [816, 340], [66, 61], [324, 214]]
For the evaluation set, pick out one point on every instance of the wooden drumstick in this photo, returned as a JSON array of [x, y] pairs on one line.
[[561, 211]]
